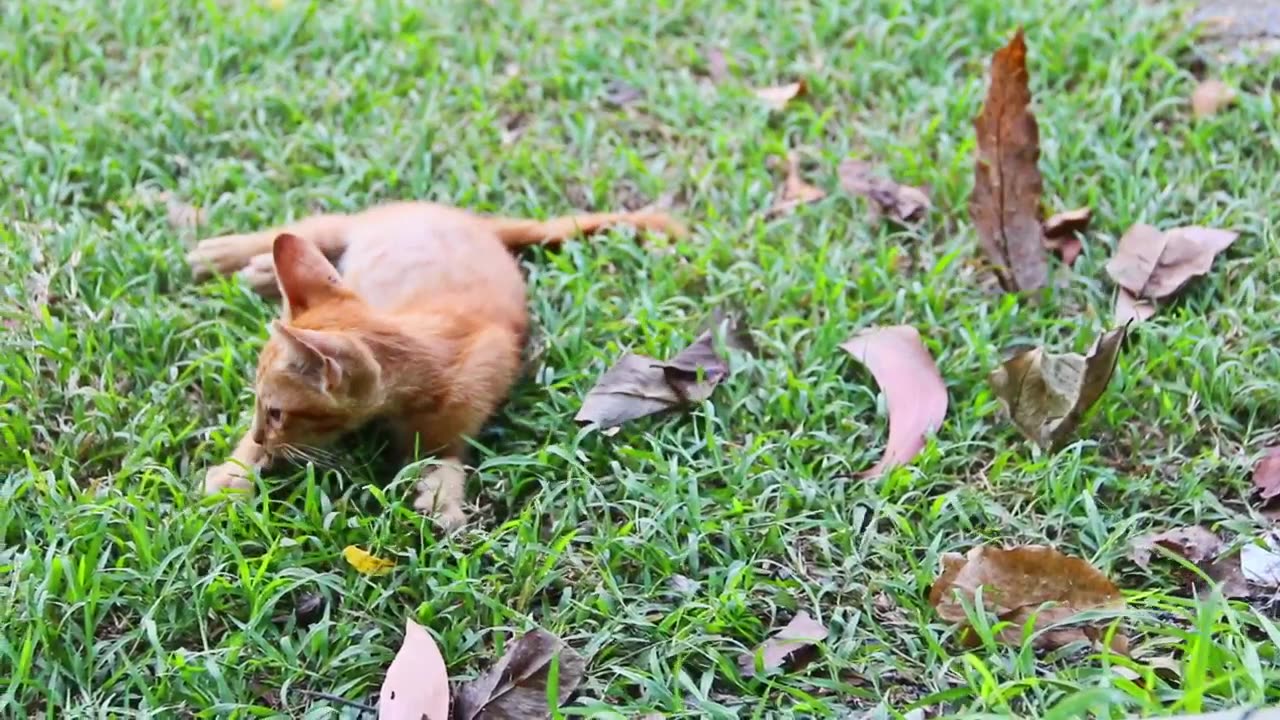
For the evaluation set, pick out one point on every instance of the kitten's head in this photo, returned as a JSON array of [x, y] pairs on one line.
[[316, 377]]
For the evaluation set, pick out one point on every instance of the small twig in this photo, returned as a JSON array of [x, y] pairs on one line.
[[334, 698]]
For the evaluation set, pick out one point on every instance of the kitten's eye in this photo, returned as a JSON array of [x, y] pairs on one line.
[[274, 415]]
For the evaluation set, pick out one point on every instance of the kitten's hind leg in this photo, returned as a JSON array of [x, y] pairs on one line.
[[227, 254]]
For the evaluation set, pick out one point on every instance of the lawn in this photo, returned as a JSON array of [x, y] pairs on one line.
[[663, 552]]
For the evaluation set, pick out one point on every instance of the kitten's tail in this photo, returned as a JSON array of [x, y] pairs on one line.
[[517, 233]]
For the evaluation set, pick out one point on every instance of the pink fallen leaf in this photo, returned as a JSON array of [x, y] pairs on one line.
[[417, 684], [914, 390]]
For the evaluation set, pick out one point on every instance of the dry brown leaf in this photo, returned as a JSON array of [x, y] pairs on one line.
[[1015, 583], [1005, 204], [795, 191], [1200, 547], [1046, 395], [777, 96], [901, 203], [786, 647], [1210, 96], [1152, 265], [915, 393], [620, 94], [1062, 234], [1196, 543], [1228, 574], [638, 386], [417, 684], [1266, 474], [515, 688]]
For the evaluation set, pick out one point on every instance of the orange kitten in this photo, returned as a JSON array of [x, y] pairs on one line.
[[421, 324]]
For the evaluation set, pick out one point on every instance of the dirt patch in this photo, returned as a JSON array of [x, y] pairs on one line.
[[1237, 31]]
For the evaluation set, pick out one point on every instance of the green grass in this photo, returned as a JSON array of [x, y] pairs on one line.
[[122, 590]]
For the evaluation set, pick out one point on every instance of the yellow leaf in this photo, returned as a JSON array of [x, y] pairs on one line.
[[364, 563]]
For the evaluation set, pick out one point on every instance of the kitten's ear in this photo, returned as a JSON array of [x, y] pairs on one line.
[[305, 275], [313, 354]]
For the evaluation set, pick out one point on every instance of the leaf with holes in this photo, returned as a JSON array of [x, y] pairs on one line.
[[1021, 582], [1199, 546]]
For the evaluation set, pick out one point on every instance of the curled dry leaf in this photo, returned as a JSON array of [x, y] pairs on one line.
[[516, 687], [1266, 475], [777, 96], [1047, 395], [902, 204], [795, 191], [1005, 204], [1199, 546], [913, 388], [365, 563], [787, 647], [1151, 265], [1016, 583], [1195, 543], [638, 386], [1210, 96], [417, 684], [1062, 234]]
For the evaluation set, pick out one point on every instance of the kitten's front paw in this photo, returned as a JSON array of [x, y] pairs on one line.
[[218, 255], [227, 476], [440, 496]]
